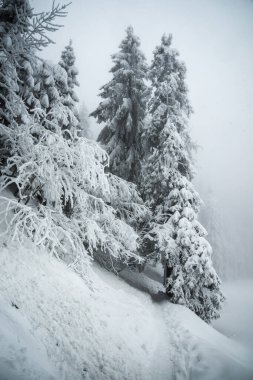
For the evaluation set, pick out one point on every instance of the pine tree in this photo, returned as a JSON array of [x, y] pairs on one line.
[[65, 201], [175, 236], [123, 108], [50, 82], [67, 62], [84, 123], [69, 97], [21, 34], [15, 54]]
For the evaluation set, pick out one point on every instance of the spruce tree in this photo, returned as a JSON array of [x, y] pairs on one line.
[[67, 62], [21, 35], [84, 124], [68, 94], [65, 201], [175, 236], [123, 108], [15, 76]]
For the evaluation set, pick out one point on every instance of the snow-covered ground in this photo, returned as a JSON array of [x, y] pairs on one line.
[[237, 315], [53, 325]]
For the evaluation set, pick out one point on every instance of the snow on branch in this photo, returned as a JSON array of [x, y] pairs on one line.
[[45, 228], [65, 201]]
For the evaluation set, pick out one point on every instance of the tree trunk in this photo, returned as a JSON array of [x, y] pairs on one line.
[[167, 274]]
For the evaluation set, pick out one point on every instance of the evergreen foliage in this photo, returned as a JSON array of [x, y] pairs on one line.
[[69, 97], [174, 235], [123, 108], [84, 123], [64, 199], [71, 196], [21, 34]]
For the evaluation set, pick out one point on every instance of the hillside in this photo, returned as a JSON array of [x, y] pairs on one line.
[[56, 326]]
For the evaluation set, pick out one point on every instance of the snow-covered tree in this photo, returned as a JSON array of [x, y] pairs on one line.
[[174, 235], [69, 97], [84, 124], [123, 108], [51, 108], [21, 34], [54, 94], [52, 172], [14, 21], [64, 198], [28, 87], [68, 63]]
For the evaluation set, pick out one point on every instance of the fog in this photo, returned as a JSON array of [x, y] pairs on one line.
[[215, 39]]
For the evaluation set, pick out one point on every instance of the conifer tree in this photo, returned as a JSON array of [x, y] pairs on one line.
[[50, 83], [67, 62], [21, 34], [69, 97], [175, 236], [123, 108], [14, 60], [65, 200], [84, 123]]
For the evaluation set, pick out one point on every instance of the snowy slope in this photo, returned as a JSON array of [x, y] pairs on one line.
[[92, 332], [200, 351], [55, 326]]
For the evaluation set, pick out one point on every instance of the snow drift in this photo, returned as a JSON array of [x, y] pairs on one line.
[[56, 326]]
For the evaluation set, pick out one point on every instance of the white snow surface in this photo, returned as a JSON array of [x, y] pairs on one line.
[[56, 326]]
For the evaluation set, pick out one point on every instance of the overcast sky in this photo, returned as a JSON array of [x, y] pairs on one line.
[[215, 39]]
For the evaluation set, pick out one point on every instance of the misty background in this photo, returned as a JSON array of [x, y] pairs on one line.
[[215, 40]]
